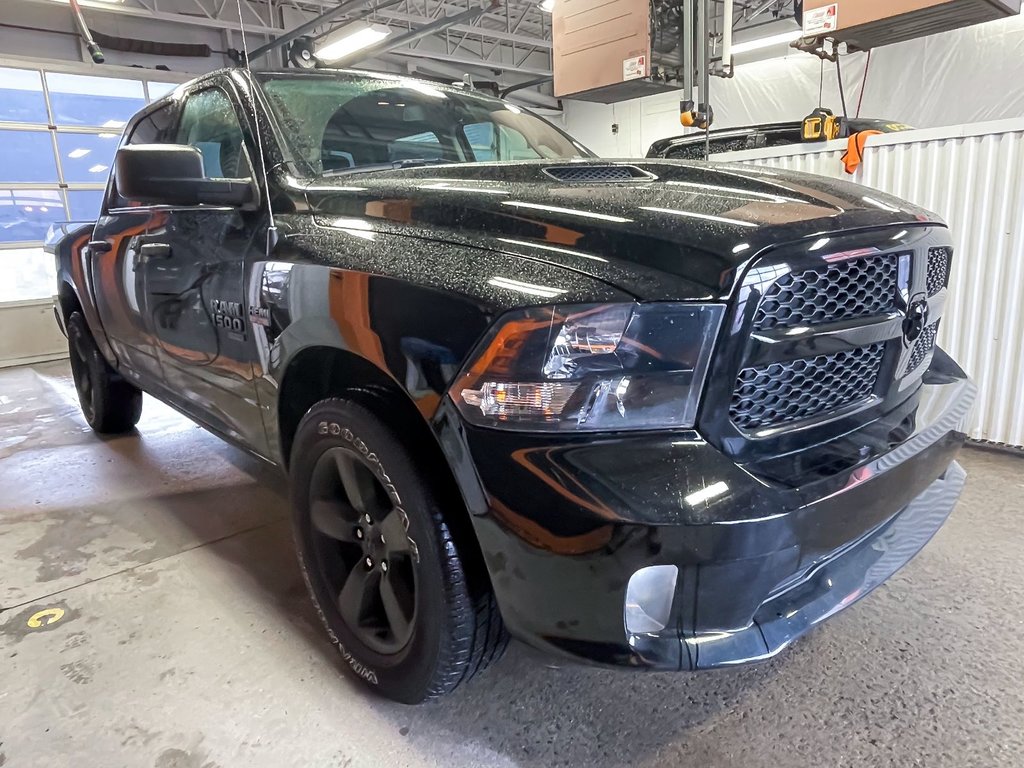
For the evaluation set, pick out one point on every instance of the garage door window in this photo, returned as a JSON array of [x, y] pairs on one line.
[[21, 96], [57, 144]]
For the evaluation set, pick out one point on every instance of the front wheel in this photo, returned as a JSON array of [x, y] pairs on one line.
[[380, 562], [109, 403]]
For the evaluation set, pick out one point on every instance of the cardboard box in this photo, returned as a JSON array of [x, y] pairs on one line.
[[873, 23]]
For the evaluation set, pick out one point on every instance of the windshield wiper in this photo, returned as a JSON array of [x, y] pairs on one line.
[[394, 165]]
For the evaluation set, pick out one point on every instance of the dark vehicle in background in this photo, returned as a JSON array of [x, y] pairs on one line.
[[654, 414], [691, 145]]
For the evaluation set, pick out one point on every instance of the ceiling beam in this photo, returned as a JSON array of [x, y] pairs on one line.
[[467, 61], [490, 34]]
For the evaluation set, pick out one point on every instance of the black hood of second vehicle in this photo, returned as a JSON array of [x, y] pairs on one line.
[[674, 230]]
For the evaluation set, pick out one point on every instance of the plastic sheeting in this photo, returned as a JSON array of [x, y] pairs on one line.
[[968, 75]]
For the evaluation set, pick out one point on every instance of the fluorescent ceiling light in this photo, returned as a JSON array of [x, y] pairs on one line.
[[74, 154], [547, 5], [98, 168], [340, 44], [767, 42], [114, 124]]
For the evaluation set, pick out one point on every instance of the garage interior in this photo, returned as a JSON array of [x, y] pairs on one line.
[[151, 608]]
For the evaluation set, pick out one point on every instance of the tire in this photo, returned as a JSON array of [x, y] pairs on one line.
[[110, 404], [380, 561]]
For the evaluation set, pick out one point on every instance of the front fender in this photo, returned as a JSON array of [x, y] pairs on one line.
[[411, 309], [67, 243]]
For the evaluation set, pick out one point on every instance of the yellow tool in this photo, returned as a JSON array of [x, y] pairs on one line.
[[822, 125]]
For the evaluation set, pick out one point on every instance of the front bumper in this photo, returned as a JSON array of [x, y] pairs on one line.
[[564, 522]]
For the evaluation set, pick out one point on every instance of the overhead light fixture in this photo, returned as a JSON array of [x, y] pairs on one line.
[[547, 5], [766, 42], [346, 41], [74, 154]]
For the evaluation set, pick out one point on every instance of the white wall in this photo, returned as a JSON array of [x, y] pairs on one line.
[[968, 75]]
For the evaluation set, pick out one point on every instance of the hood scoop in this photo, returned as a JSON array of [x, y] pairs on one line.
[[597, 174]]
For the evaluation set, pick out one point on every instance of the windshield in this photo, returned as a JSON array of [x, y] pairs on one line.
[[341, 123]]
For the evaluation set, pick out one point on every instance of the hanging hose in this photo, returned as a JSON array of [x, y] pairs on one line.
[[150, 48], [842, 93], [83, 31], [864, 83]]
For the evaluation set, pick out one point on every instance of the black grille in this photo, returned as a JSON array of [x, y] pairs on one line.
[[844, 291], [800, 389], [578, 174], [939, 262], [925, 344]]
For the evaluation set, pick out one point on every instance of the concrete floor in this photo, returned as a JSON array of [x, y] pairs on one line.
[[187, 641]]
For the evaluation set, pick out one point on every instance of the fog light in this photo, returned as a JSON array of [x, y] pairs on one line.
[[649, 598]]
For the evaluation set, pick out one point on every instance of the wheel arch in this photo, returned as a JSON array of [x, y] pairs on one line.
[[319, 372], [68, 300]]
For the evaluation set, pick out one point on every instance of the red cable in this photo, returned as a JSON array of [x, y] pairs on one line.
[[864, 83]]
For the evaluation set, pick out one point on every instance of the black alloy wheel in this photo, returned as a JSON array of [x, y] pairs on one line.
[[111, 405], [406, 601], [81, 371], [363, 550]]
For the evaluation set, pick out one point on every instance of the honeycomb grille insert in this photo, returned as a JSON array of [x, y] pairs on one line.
[[851, 289], [925, 344], [589, 174], [939, 262], [781, 393]]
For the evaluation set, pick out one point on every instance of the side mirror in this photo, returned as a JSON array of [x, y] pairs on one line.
[[172, 174]]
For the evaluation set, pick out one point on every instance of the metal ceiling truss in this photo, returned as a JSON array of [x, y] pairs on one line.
[[511, 41], [502, 39]]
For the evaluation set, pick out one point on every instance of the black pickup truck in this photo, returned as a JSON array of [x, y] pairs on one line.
[[690, 146], [652, 414]]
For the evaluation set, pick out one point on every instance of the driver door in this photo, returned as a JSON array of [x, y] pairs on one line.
[[196, 267]]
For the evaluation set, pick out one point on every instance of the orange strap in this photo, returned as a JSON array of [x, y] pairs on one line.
[[855, 150]]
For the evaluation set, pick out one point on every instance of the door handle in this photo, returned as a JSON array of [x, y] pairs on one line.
[[99, 246], [154, 251]]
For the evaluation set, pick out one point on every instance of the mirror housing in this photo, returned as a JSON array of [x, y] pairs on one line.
[[172, 174]]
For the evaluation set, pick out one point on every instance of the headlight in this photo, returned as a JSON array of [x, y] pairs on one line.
[[591, 367]]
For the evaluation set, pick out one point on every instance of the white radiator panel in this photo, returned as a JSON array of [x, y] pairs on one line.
[[973, 177]]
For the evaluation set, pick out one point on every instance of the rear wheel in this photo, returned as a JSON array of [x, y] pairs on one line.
[[380, 561], [109, 403]]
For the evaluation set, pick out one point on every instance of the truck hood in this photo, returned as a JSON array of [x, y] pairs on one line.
[[669, 230]]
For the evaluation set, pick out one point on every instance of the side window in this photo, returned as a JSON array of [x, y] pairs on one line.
[[209, 124], [419, 146], [498, 142], [481, 138], [155, 128]]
